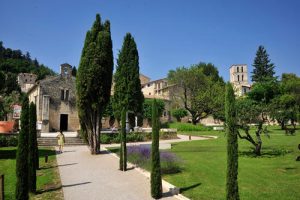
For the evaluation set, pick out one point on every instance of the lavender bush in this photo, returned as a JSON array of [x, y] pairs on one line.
[[140, 156]]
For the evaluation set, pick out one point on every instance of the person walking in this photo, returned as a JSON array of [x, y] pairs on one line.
[[61, 141]]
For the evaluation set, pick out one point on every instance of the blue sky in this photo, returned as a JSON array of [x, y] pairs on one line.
[[168, 33]]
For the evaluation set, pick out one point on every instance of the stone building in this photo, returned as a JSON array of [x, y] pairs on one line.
[[239, 79], [159, 89], [26, 81], [55, 98]]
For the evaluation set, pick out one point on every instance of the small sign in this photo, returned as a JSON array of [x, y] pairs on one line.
[[17, 111]]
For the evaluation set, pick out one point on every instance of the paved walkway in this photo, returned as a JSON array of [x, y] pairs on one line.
[[91, 177]]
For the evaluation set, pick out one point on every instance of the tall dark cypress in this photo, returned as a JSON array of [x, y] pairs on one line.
[[22, 154], [263, 68], [232, 145], [123, 149], [32, 151], [156, 183], [93, 81], [127, 88]]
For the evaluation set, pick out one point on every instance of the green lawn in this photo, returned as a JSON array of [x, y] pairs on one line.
[[48, 180], [274, 175]]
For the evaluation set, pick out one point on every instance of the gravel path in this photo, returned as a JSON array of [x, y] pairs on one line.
[[91, 177]]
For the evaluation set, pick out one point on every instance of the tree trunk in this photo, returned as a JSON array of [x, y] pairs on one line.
[[94, 144], [194, 120], [259, 141], [282, 125], [293, 123], [258, 149]]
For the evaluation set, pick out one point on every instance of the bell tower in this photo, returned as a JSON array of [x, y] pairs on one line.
[[66, 70], [239, 74]]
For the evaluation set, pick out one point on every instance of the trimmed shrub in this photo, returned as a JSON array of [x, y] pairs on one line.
[[12, 141], [179, 113], [156, 183], [232, 191], [22, 154], [8, 141], [167, 135], [3, 141], [32, 149]]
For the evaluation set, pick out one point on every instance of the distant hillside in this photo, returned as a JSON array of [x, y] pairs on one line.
[[14, 62]]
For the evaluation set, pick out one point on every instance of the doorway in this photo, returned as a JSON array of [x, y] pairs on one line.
[[63, 122]]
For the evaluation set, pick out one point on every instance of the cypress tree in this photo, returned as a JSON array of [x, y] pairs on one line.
[[156, 184], [123, 149], [93, 81], [127, 88], [22, 154], [32, 151], [263, 68], [232, 145]]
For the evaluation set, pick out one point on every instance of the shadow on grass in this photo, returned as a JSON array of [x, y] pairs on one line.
[[183, 189], [265, 153], [49, 152], [290, 168], [50, 189], [8, 153], [54, 166], [55, 188], [11, 153]]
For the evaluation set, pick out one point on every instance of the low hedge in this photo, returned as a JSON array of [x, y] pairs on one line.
[[189, 127], [8, 141], [108, 138]]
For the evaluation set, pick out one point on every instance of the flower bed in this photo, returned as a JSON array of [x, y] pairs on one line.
[[141, 157]]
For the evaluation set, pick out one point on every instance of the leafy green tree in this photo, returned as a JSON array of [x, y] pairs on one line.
[[147, 108], [32, 147], [283, 108], [286, 106], [127, 88], [22, 154], [156, 183], [13, 61], [232, 145], [2, 79], [198, 89], [255, 108], [123, 149], [7, 101], [11, 84], [93, 82], [179, 113], [251, 112], [263, 68]]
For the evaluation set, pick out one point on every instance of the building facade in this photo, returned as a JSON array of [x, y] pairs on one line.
[[239, 79], [26, 81], [55, 98]]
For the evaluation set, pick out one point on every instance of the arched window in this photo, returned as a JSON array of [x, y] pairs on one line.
[[238, 77], [242, 69], [237, 69], [242, 77]]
